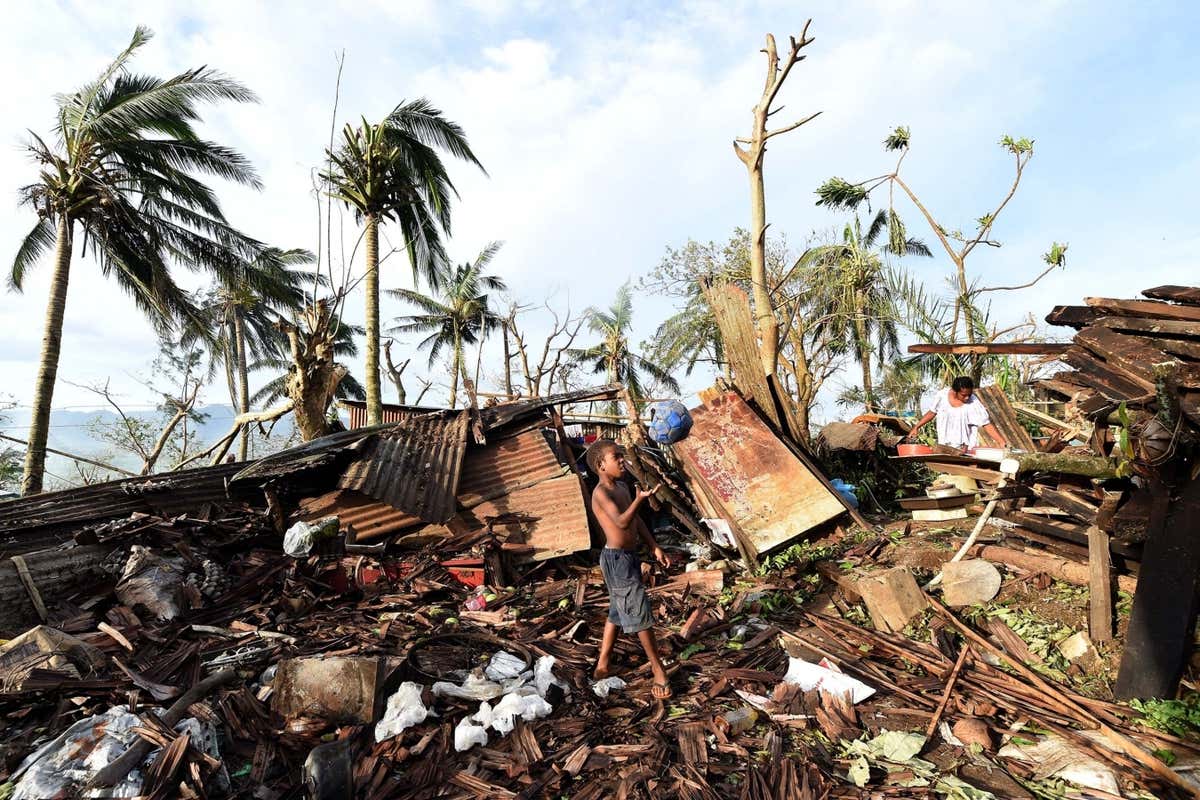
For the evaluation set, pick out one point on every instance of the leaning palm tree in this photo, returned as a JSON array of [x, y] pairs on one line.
[[612, 356], [121, 172], [391, 171], [850, 298], [242, 311], [459, 315]]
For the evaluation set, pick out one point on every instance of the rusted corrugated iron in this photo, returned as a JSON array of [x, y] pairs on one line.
[[363, 518], [508, 464], [166, 493], [551, 515], [415, 466], [357, 410]]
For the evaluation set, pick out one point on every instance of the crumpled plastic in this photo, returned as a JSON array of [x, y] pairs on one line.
[[299, 539], [467, 734], [543, 676], [152, 582], [811, 676], [62, 766], [525, 703], [503, 666], [476, 686], [1054, 755], [604, 686], [721, 533], [404, 709]]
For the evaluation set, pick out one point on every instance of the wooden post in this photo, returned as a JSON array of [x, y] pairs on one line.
[[1161, 624], [1100, 605]]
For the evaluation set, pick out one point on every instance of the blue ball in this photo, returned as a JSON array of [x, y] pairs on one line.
[[670, 421]]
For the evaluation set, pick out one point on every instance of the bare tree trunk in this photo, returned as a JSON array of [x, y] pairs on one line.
[[454, 370], [314, 375], [239, 330], [371, 284], [508, 387], [396, 374], [43, 391], [864, 352]]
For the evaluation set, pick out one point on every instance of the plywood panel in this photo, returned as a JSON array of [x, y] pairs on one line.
[[767, 491]]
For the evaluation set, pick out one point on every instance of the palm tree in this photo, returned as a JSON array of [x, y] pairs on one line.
[[850, 299], [459, 315], [612, 356], [344, 347], [122, 169], [391, 171], [242, 311]]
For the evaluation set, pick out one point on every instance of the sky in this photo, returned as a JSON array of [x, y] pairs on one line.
[[606, 129]]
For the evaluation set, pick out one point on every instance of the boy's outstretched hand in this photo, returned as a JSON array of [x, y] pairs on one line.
[[661, 557], [642, 494]]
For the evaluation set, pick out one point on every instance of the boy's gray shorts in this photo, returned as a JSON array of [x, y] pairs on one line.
[[627, 603]]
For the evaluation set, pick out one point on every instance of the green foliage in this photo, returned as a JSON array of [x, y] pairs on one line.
[[1178, 717], [838, 193], [690, 650], [897, 139], [10, 458], [1056, 256], [1017, 147]]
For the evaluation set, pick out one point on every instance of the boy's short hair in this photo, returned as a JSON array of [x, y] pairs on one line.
[[596, 453]]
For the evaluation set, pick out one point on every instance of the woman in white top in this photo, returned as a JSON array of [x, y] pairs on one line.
[[959, 416]]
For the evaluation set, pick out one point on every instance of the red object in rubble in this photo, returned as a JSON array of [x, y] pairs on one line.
[[467, 571]]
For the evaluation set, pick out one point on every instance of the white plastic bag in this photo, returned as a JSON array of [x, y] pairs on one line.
[[603, 686], [475, 687], [299, 539], [467, 734], [525, 703], [721, 533], [404, 709], [814, 676], [543, 677], [504, 665]]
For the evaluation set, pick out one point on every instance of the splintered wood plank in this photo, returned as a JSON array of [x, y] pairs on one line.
[[1115, 384], [1074, 316], [753, 476], [1150, 327], [1153, 309], [993, 348], [1161, 623], [1080, 509], [693, 747], [1132, 355], [1100, 605], [1004, 417], [1179, 294], [1175, 347]]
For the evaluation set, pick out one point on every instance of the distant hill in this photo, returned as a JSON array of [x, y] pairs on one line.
[[70, 432]]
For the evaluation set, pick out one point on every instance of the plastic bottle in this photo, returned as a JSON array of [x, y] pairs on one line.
[[739, 720]]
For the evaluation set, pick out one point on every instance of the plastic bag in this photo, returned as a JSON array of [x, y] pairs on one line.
[[504, 665], [152, 582], [299, 539], [525, 703], [467, 734], [475, 687], [603, 686], [814, 676], [404, 709], [543, 677]]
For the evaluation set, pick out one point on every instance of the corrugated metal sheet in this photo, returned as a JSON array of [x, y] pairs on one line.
[[508, 464], [310, 455], [504, 413], [551, 515], [364, 517], [415, 467], [357, 411], [166, 493]]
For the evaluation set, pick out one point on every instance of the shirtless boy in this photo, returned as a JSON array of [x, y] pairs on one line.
[[627, 604]]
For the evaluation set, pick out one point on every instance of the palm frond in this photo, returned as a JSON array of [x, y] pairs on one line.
[[36, 242]]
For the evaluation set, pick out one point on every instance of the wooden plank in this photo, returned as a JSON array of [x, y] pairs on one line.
[[1074, 316], [1178, 294], [1131, 355], [1100, 604], [1113, 383], [1153, 309], [753, 476], [731, 309], [1076, 507], [993, 348], [1163, 618], [1151, 327], [1004, 417], [1175, 347], [1066, 531]]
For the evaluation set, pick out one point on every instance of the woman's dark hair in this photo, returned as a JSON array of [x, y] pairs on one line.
[[962, 382]]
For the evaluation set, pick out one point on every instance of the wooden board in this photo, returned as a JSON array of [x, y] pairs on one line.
[[1178, 294], [1112, 384], [771, 495], [1153, 309], [1004, 418], [1161, 624], [994, 348]]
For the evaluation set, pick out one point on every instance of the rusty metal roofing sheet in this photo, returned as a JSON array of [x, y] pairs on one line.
[[357, 411], [505, 465], [415, 466], [771, 495], [551, 515], [365, 518], [166, 493]]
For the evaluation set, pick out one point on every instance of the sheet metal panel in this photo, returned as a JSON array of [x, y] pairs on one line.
[[551, 515], [759, 483], [415, 466], [508, 464], [366, 518], [357, 411]]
